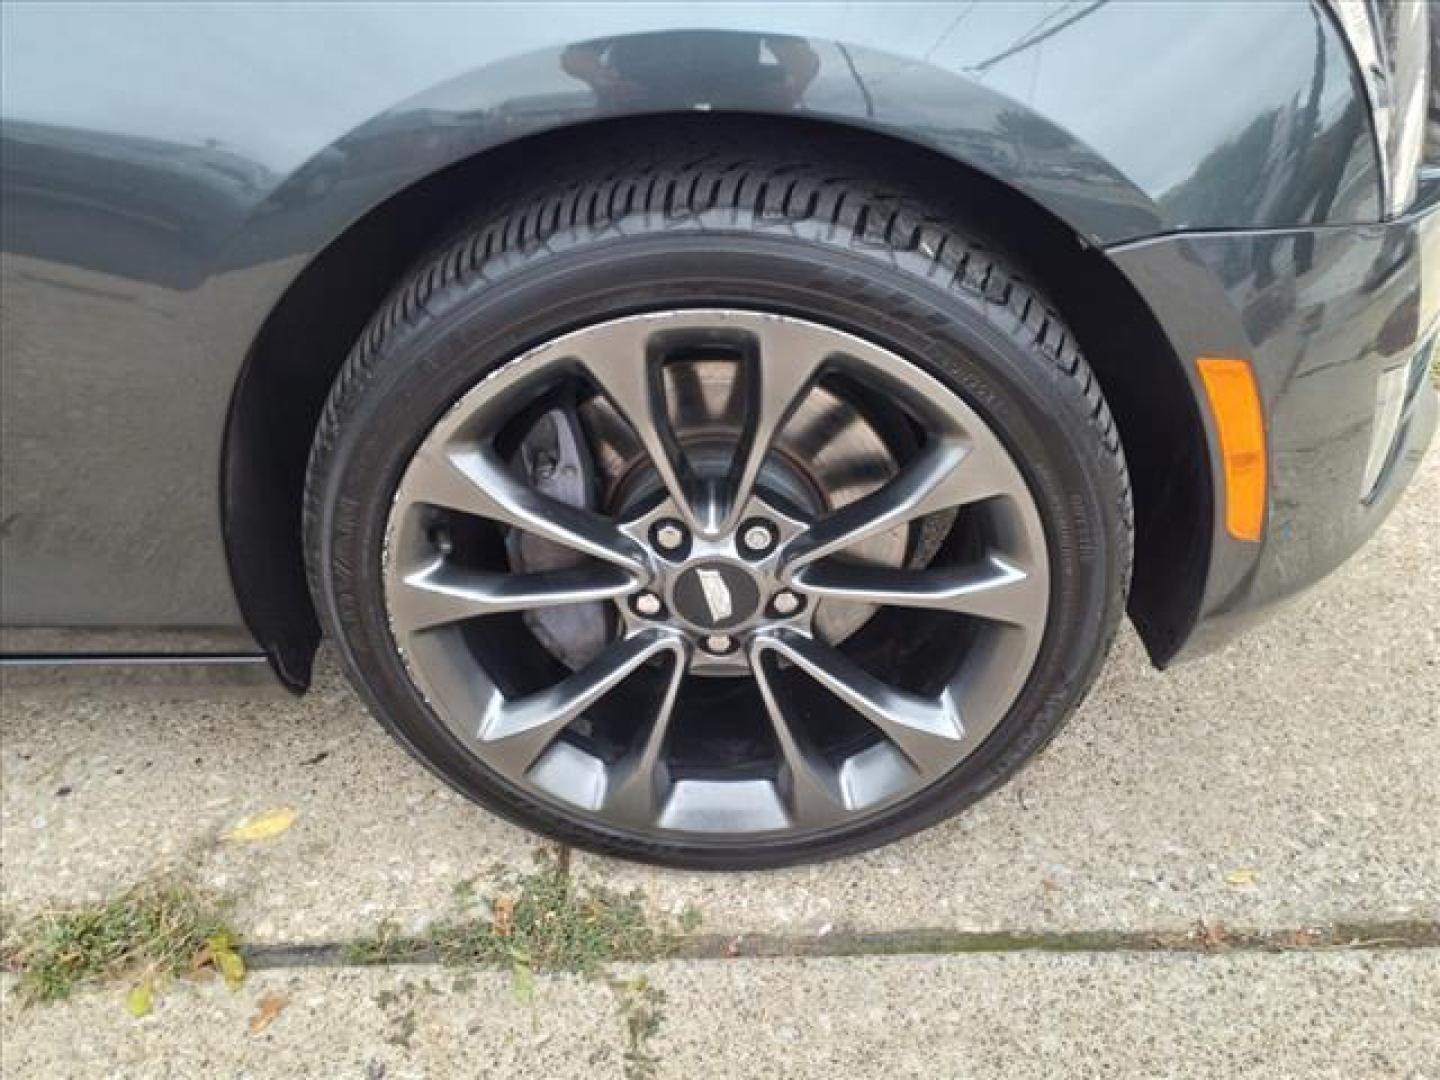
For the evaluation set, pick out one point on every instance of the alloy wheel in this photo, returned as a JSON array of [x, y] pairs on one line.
[[708, 573]]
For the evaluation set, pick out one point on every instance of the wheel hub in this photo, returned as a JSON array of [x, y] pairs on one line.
[[717, 591]]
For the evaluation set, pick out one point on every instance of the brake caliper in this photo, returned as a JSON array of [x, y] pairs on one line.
[[555, 460]]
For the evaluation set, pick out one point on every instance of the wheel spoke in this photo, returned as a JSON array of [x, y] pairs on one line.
[[475, 481], [927, 731], [810, 787], [514, 733], [442, 593], [994, 589], [634, 788], [949, 473], [775, 381], [619, 360]]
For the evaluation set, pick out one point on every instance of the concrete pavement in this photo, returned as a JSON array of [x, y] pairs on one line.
[[1327, 1016], [1289, 781]]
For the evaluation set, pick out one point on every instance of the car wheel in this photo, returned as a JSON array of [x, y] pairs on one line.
[[720, 511]]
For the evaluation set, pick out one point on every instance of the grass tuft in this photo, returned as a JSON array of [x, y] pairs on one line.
[[152, 930], [539, 922]]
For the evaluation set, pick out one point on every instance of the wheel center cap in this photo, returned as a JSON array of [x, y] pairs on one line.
[[715, 596]]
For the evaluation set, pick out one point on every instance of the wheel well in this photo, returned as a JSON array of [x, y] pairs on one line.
[[295, 358]]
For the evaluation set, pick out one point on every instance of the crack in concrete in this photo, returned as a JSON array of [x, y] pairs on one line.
[[1204, 939]]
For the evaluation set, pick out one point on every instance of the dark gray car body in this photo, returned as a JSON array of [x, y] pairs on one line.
[[180, 183]]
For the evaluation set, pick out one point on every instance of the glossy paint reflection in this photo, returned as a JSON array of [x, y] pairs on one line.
[[168, 170], [1320, 313]]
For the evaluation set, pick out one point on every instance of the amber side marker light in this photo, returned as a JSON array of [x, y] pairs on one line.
[[1235, 404]]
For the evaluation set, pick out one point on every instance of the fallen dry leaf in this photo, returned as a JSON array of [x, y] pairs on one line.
[[227, 959], [264, 825], [504, 915], [1213, 935], [1242, 875], [266, 1009], [141, 999]]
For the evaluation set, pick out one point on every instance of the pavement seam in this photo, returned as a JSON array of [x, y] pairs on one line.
[[1202, 940]]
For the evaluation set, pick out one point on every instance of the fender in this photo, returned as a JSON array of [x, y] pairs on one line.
[[215, 151]]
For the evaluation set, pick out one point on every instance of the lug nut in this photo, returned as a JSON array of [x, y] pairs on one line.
[[758, 538], [648, 604], [719, 643], [669, 536], [786, 603]]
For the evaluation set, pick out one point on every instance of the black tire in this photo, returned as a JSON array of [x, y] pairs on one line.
[[799, 230]]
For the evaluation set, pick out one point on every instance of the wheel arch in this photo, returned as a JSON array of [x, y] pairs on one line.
[[293, 361]]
